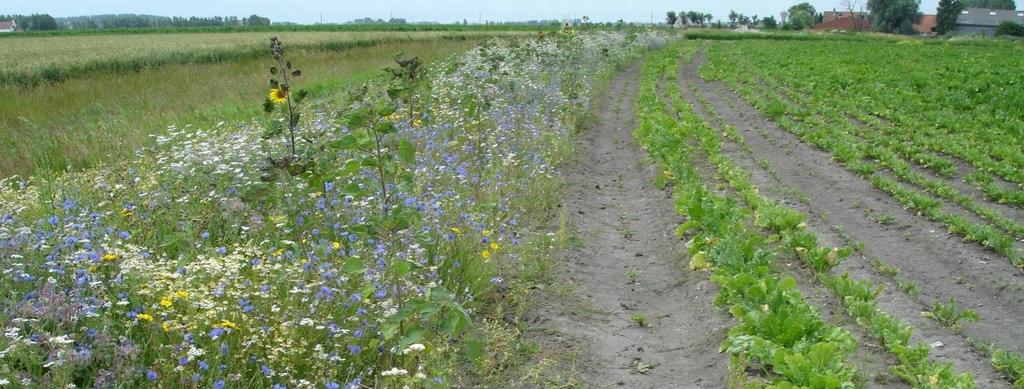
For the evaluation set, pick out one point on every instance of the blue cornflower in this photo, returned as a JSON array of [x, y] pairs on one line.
[[203, 366], [216, 333], [245, 305], [152, 375], [205, 235], [354, 349], [219, 384], [222, 250], [332, 385], [267, 371]]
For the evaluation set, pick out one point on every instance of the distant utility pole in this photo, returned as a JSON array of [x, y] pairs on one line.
[[321, 18], [480, 18], [652, 17]]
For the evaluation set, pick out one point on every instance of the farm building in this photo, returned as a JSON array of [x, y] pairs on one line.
[[861, 21], [8, 26], [982, 21], [845, 21], [828, 16]]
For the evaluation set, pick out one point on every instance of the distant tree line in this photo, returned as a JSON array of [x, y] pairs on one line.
[[697, 18], [43, 22], [34, 22], [378, 21], [152, 21]]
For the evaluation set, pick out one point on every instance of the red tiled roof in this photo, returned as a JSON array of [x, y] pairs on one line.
[[927, 24], [847, 24], [829, 16], [6, 24]]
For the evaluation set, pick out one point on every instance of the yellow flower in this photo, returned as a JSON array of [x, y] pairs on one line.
[[486, 254], [336, 245], [125, 212], [279, 252], [166, 326], [109, 257], [144, 317], [181, 294], [227, 324], [456, 230], [495, 246], [486, 232], [278, 95], [166, 302]]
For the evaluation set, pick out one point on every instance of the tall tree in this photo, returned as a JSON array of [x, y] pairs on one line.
[[894, 16], [949, 10], [770, 22], [670, 17], [806, 7], [991, 4], [800, 20]]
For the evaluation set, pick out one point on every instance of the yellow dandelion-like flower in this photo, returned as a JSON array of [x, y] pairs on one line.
[[227, 324], [166, 302], [181, 294], [486, 232], [166, 326], [144, 317], [279, 252], [336, 245], [278, 95], [109, 257], [495, 246], [125, 212], [456, 230], [486, 254]]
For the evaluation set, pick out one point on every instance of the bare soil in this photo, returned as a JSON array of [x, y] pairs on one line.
[[844, 208], [625, 267]]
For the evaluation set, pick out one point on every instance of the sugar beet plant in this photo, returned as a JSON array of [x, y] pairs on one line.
[[189, 267], [737, 257]]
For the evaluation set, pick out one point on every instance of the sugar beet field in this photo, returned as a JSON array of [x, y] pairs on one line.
[[620, 208]]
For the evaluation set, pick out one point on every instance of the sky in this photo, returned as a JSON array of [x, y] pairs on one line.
[[310, 11]]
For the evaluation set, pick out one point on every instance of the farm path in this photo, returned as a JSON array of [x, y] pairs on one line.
[[624, 266], [844, 208]]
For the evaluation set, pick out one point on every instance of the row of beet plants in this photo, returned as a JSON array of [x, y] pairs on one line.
[[823, 126], [788, 233], [907, 98], [788, 227], [342, 243], [776, 330], [859, 296]]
